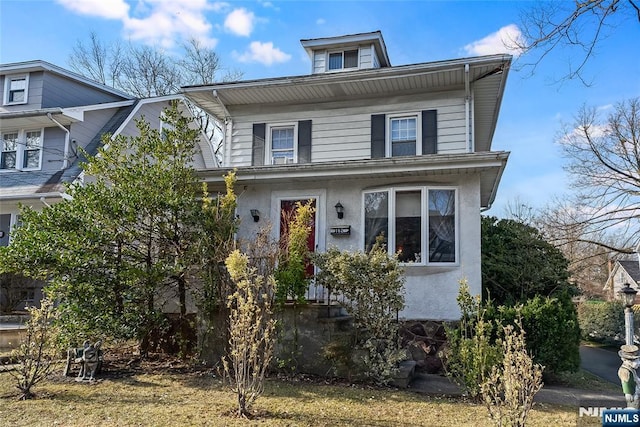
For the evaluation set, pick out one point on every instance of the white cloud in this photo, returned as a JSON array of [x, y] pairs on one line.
[[115, 9], [502, 41], [240, 22], [263, 53], [160, 22], [320, 21]]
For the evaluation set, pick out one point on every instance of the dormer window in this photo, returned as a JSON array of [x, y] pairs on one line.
[[15, 89], [343, 59]]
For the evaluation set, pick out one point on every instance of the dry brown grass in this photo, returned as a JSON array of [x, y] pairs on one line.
[[199, 399]]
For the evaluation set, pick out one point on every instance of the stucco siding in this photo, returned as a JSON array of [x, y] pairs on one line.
[[430, 291]]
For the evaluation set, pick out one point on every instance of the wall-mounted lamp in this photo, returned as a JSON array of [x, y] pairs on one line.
[[255, 213], [339, 210]]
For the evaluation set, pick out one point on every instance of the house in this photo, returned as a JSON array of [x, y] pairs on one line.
[[403, 151], [47, 115], [621, 273]]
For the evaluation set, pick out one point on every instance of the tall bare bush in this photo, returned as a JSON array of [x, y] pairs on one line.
[[37, 354], [251, 330], [509, 390]]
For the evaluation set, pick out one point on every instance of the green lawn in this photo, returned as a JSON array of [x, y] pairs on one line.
[[199, 399]]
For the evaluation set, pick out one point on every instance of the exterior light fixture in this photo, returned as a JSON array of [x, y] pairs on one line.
[[628, 295], [255, 213], [339, 210]]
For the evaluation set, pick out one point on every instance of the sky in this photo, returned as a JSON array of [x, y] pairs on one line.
[[262, 39]]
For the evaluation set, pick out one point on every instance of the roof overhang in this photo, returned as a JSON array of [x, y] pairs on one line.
[[38, 118], [39, 65], [487, 77], [489, 166]]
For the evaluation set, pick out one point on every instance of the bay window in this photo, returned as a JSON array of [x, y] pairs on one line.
[[416, 223]]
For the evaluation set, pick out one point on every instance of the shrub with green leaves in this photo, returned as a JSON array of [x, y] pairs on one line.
[[372, 284], [472, 349], [602, 321], [553, 332]]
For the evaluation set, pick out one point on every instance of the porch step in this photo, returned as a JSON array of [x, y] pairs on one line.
[[406, 372], [330, 311]]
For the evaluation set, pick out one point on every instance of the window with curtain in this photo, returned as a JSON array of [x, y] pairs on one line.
[[418, 224]]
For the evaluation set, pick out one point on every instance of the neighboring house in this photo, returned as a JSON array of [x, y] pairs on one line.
[[47, 115], [403, 151], [623, 272]]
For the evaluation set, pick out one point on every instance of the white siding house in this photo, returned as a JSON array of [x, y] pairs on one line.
[[406, 150]]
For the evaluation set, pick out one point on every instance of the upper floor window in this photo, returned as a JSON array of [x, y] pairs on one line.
[[282, 144], [417, 223], [403, 136], [343, 59], [21, 150], [9, 153], [15, 89]]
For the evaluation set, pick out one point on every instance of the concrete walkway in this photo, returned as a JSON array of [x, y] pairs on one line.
[[438, 385]]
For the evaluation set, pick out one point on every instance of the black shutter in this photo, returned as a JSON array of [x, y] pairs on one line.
[[377, 135], [257, 149], [304, 141], [429, 132]]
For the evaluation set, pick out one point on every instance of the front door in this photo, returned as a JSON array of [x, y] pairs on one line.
[[287, 211]]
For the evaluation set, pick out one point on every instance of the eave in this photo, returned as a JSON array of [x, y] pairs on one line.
[[489, 166], [487, 76]]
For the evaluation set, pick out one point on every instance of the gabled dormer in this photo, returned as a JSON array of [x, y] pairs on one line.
[[347, 53]]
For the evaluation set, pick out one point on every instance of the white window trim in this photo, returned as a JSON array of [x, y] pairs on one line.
[[268, 154], [415, 114], [7, 85], [14, 219], [320, 197], [343, 68], [424, 222], [22, 148]]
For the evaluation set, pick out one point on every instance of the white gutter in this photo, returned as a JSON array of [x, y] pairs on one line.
[[467, 112], [65, 160]]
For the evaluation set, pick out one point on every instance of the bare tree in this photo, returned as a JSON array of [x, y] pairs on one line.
[[146, 71], [578, 26], [604, 161]]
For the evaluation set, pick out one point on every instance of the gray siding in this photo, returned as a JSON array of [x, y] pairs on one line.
[[53, 149], [342, 130], [62, 92], [34, 94], [84, 132]]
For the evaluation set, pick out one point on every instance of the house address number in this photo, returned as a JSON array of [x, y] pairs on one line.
[[341, 231]]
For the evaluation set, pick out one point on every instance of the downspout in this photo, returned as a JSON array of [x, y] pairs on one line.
[[467, 109], [65, 160], [228, 130]]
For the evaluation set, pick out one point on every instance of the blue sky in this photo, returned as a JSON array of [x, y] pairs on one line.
[[261, 38]]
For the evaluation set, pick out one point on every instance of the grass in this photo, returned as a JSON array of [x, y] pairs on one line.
[[584, 380], [199, 399]]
